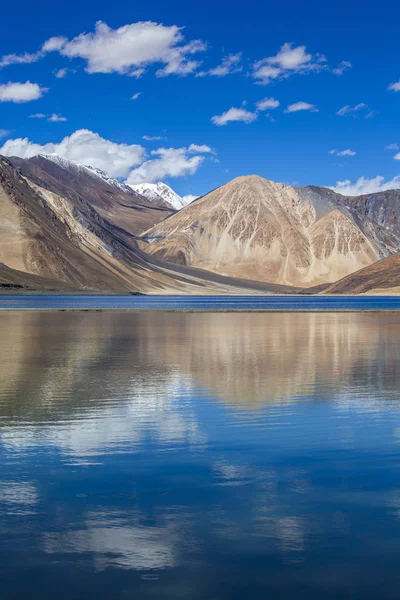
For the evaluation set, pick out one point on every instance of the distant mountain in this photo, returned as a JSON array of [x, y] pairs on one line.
[[61, 224], [161, 195], [257, 229]]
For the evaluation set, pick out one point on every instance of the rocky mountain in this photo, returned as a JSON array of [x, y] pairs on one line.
[[161, 194], [255, 228], [61, 223], [383, 277]]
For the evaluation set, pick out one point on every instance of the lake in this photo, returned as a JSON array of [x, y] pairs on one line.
[[199, 303], [216, 456]]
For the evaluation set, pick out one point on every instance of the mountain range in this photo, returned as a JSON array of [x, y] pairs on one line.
[[70, 227]]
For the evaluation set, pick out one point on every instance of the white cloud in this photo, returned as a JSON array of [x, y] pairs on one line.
[[20, 92], [169, 162], [267, 103], [54, 118], [201, 149], [152, 138], [119, 160], [289, 60], [363, 185], [394, 87], [4, 132], [392, 147], [61, 73], [19, 59], [230, 64], [189, 198], [83, 146], [346, 152], [54, 44], [130, 49], [136, 96], [351, 110], [298, 106], [343, 66], [234, 114], [397, 156]]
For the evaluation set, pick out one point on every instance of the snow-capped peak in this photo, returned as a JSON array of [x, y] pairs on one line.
[[161, 192], [73, 166]]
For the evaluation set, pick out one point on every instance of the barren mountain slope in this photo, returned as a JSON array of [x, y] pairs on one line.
[[255, 228], [64, 238], [381, 277], [113, 200]]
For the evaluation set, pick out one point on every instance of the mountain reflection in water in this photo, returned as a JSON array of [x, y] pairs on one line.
[[199, 455]]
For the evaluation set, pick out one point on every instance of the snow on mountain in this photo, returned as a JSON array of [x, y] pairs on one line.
[[73, 166], [157, 193], [161, 192]]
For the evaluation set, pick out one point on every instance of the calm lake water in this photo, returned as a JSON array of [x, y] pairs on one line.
[[221, 303], [152, 455]]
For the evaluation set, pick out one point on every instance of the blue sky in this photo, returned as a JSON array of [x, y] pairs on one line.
[[287, 53]]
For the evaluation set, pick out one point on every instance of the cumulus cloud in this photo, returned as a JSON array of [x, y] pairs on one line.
[[230, 64], [298, 106], [351, 110], [234, 114], [343, 66], [397, 156], [394, 87], [130, 49], [287, 61], [21, 92], [123, 161], [169, 162], [363, 185], [346, 152], [136, 96], [85, 147], [392, 147], [267, 103]]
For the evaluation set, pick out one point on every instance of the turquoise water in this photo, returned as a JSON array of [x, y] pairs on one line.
[[154, 455]]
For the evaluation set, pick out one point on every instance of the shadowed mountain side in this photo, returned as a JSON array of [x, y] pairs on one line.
[[257, 229], [381, 277], [17, 281], [115, 202], [248, 360]]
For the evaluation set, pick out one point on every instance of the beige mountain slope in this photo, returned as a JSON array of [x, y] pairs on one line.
[[52, 229], [257, 229]]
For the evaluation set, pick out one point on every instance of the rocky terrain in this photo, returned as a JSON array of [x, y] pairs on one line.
[[255, 228], [71, 227], [61, 222], [383, 277]]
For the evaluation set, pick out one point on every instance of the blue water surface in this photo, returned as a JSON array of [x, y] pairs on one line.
[[270, 303], [154, 455]]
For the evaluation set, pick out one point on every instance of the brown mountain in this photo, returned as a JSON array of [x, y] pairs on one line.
[[59, 221], [383, 277], [255, 228]]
